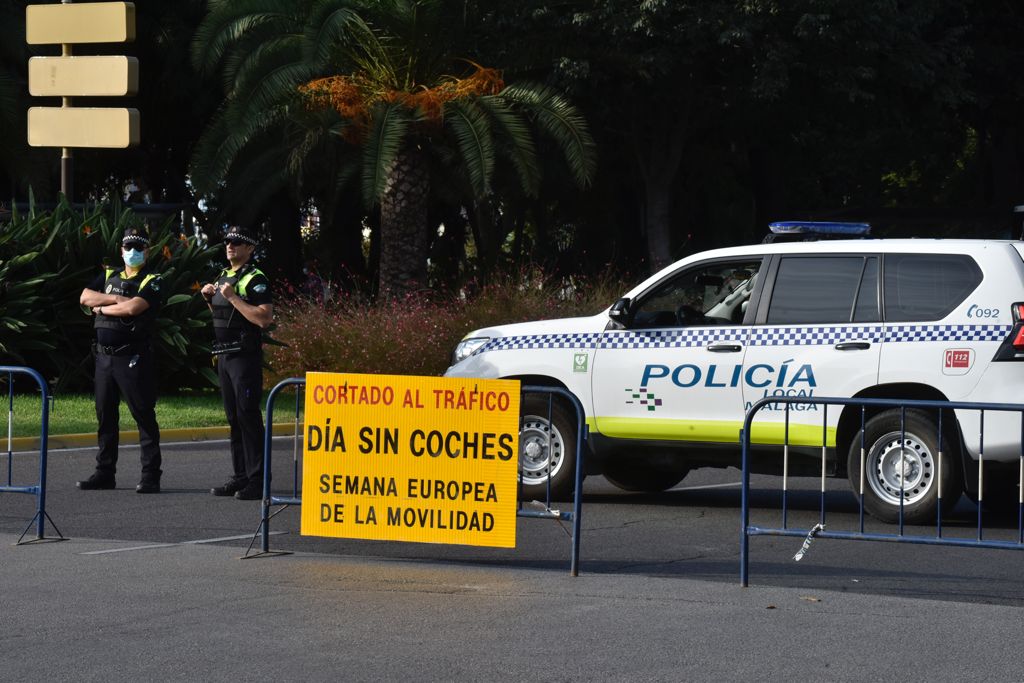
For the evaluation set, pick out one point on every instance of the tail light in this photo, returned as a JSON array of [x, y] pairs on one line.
[[1012, 347]]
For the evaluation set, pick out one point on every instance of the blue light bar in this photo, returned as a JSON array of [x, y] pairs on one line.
[[819, 228]]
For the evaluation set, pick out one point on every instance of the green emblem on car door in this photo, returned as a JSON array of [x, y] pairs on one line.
[[579, 362]]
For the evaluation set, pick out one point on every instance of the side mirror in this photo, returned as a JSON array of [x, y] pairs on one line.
[[619, 312]]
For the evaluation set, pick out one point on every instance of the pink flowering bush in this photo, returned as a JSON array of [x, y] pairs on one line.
[[416, 336]]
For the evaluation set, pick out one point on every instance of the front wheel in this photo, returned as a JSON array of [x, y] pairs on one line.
[[902, 461], [547, 450]]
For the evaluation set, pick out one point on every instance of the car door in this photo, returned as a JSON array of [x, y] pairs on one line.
[[817, 332], [674, 373]]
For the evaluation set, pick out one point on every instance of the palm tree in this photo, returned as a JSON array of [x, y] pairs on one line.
[[380, 92]]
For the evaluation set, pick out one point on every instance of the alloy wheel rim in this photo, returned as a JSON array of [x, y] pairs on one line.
[[900, 463], [541, 450]]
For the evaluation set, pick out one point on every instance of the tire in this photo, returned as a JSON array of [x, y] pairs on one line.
[[546, 450], [919, 454], [643, 478], [1002, 492]]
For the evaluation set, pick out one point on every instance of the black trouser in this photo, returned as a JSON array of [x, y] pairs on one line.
[[241, 386], [118, 376]]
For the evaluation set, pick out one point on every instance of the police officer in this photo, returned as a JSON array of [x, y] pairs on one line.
[[126, 303], [240, 300]]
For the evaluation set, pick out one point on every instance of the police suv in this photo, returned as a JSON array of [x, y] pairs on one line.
[[666, 373]]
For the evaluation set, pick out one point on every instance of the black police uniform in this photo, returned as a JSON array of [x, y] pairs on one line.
[[125, 366], [239, 350]]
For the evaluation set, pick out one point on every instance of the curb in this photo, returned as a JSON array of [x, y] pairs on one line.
[[57, 441]]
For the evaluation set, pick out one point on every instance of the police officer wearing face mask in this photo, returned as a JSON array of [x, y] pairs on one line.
[[126, 303], [240, 300]]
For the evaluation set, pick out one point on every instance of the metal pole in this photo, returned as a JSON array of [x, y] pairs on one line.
[[265, 504], [744, 505], [43, 438], [67, 162]]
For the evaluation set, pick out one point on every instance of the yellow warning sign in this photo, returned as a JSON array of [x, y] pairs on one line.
[[426, 459]]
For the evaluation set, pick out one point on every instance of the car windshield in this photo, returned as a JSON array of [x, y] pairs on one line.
[[713, 294]]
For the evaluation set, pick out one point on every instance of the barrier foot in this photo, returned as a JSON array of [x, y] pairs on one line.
[[44, 538], [249, 555]]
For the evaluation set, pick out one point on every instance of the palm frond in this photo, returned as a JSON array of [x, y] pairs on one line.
[[472, 132], [389, 125], [556, 117], [224, 139], [332, 25], [517, 141], [230, 21]]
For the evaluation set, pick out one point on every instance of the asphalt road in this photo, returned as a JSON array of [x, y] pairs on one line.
[[151, 586]]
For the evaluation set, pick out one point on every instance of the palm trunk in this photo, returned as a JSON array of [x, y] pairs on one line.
[[403, 226]]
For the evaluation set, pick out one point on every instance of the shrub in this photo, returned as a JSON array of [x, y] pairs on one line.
[[416, 336], [48, 257]]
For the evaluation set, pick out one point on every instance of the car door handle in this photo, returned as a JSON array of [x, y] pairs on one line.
[[724, 348], [853, 346]]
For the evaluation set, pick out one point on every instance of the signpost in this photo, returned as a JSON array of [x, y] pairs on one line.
[[70, 76], [427, 459]]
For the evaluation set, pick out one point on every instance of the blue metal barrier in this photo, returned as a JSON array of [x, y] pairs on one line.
[[269, 500], [818, 530], [38, 489]]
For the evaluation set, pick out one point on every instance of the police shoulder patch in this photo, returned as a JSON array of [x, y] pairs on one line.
[[260, 288], [155, 284]]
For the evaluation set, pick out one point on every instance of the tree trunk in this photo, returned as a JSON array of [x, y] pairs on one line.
[[341, 257], [659, 156], [284, 252], [403, 226], [658, 216]]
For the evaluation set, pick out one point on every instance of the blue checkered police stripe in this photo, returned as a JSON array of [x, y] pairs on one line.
[[756, 336], [957, 333], [812, 336]]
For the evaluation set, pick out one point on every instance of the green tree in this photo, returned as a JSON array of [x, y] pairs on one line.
[[728, 113], [388, 87]]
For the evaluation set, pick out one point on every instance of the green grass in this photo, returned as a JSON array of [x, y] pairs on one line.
[[76, 413]]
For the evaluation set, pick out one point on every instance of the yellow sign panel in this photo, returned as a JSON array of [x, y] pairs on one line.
[[112, 76], [83, 127], [426, 459], [80, 22]]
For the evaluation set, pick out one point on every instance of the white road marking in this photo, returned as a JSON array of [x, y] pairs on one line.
[[708, 486], [171, 545]]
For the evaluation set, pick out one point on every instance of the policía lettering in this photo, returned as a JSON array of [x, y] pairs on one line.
[[758, 375]]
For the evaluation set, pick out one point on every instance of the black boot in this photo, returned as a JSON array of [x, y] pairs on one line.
[[229, 488], [98, 481]]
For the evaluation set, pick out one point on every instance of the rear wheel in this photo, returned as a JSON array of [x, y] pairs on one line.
[[903, 462], [547, 450]]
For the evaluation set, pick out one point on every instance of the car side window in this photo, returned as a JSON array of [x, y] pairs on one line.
[[824, 289], [711, 294], [927, 286]]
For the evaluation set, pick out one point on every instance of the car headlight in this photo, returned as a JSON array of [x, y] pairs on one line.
[[467, 347]]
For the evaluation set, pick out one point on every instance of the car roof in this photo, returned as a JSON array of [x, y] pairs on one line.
[[859, 246]]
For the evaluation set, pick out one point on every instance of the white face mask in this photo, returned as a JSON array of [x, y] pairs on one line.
[[133, 258]]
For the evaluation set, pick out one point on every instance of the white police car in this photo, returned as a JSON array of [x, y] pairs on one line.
[[666, 373]]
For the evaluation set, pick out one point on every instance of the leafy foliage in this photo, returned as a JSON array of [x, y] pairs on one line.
[[47, 259], [403, 95], [416, 336]]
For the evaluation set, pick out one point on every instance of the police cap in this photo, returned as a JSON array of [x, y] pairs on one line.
[[238, 233], [135, 237]]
